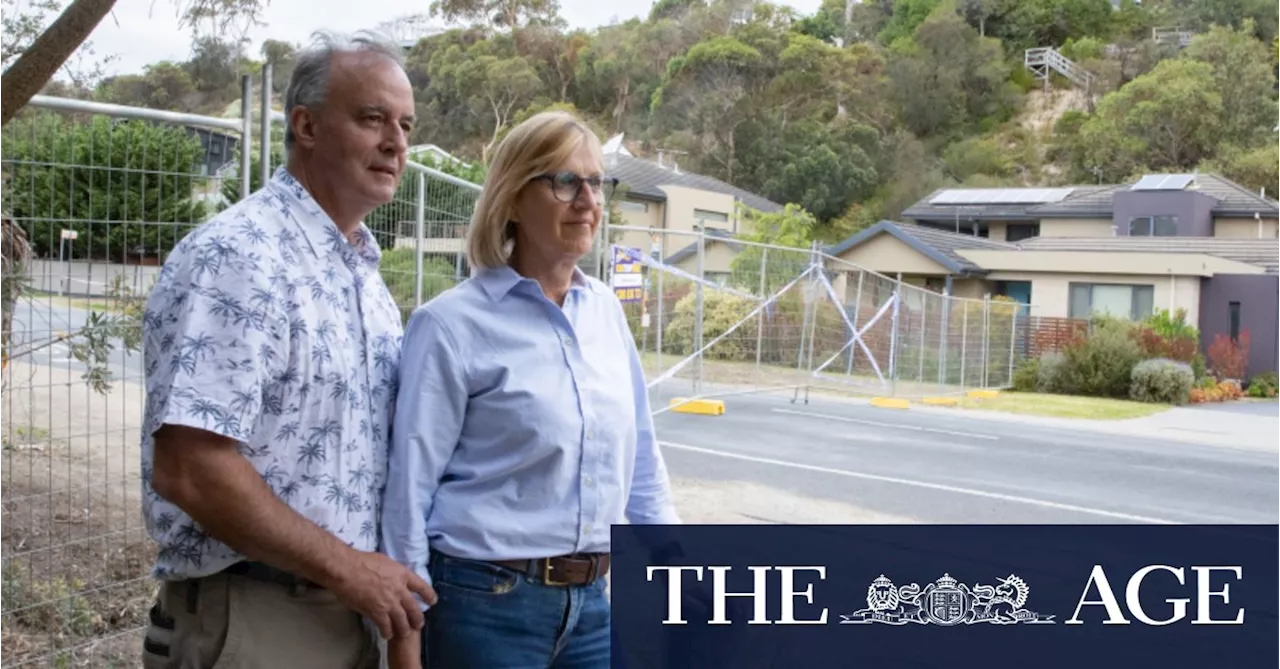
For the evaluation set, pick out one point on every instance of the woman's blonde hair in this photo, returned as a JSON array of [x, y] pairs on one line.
[[538, 145]]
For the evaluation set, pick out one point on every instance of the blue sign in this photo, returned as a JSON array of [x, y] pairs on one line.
[[951, 596]]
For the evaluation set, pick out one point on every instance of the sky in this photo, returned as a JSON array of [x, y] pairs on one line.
[[139, 32]]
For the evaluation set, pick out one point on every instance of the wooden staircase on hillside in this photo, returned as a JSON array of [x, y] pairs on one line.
[[1043, 60]]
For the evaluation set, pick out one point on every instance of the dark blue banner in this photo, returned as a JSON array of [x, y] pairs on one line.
[[953, 596]]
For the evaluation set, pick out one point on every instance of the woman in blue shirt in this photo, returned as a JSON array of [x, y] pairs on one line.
[[522, 428]]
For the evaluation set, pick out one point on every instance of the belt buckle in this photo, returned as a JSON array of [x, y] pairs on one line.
[[546, 574]]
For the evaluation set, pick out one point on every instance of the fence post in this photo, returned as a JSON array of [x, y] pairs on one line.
[[662, 259], [986, 341], [815, 260], [419, 234], [246, 132], [893, 337], [1013, 336], [764, 295], [944, 335], [964, 342], [697, 310], [264, 145], [924, 320]]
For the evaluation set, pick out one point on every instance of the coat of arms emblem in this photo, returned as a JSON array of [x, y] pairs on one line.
[[947, 602]]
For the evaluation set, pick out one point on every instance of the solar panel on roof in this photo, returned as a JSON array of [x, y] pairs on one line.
[[972, 196], [1164, 182]]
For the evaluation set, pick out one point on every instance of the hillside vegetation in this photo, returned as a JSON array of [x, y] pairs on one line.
[[851, 117]]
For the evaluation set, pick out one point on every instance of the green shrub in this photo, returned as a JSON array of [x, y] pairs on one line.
[[1264, 385], [720, 311], [1161, 381], [1026, 376], [1049, 374], [1101, 365]]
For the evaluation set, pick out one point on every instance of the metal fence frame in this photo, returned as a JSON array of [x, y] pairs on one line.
[[809, 352]]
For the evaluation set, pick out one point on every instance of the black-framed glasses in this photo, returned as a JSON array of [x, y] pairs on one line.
[[567, 186]]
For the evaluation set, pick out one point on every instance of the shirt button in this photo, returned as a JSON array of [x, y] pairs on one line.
[[586, 480], [568, 341], [591, 434]]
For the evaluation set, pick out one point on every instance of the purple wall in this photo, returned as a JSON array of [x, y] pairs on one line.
[[1194, 210], [1259, 298]]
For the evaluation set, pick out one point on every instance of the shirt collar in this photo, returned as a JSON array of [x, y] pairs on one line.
[[497, 282], [321, 232]]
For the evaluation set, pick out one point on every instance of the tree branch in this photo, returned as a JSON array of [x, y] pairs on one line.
[[37, 65]]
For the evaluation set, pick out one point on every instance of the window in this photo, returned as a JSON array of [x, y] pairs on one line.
[[1234, 308], [632, 205], [1017, 232], [1153, 226], [704, 215], [1134, 302]]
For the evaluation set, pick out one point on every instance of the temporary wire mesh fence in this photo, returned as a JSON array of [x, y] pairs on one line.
[[714, 316], [93, 204]]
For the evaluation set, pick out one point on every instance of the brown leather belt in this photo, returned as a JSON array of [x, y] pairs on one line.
[[580, 569]]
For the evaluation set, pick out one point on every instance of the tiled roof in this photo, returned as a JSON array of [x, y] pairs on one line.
[[1260, 252], [644, 177], [938, 245]]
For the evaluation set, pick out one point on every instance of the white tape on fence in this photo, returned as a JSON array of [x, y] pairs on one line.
[[770, 300], [857, 337]]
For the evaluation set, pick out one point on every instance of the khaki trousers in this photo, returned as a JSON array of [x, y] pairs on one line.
[[228, 621]]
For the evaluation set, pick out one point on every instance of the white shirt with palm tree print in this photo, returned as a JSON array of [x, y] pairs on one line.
[[270, 327]]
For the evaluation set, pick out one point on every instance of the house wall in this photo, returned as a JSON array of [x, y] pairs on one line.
[[716, 259], [1193, 210], [1246, 228], [682, 204], [1075, 227], [888, 255], [651, 218], [1258, 296], [972, 288], [1050, 293]]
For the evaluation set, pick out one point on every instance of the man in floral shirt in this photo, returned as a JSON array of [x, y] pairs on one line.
[[271, 346]]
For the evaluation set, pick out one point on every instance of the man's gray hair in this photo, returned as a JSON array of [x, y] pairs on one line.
[[310, 80]]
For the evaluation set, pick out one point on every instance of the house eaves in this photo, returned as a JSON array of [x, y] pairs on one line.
[[691, 250], [937, 245]]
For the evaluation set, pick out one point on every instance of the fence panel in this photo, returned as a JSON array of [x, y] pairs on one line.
[[95, 203], [711, 316]]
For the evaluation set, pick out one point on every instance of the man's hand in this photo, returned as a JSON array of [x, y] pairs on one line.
[[382, 589], [206, 476], [405, 652]]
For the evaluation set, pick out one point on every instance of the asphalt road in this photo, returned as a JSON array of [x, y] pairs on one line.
[[38, 321], [958, 469]]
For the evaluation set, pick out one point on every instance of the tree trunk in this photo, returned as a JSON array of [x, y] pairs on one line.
[[37, 65]]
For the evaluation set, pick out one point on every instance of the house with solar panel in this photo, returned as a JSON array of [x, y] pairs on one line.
[[1198, 242]]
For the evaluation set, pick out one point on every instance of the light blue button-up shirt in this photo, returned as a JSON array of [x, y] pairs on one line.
[[522, 430]]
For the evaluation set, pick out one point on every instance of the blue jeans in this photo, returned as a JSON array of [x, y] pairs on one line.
[[497, 618]]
